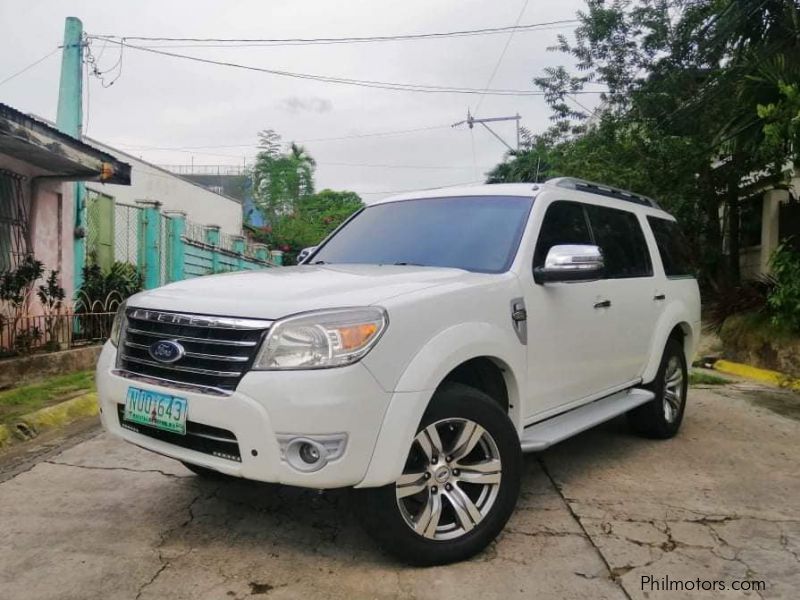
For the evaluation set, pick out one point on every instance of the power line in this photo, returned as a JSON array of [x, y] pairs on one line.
[[395, 86], [307, 141], [30, 66], [344, 40], [502, 55]]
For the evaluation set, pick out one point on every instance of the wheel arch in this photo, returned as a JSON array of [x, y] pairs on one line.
[[451, 354], [673, 324]]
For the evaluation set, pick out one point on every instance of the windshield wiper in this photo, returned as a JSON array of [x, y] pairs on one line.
[[408, 264]]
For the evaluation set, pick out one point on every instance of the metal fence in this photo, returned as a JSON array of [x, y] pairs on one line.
[[126, 233], [32, 333]]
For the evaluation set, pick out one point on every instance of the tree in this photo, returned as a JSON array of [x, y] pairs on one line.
[[312, 220], [281, 180], [698, 100]]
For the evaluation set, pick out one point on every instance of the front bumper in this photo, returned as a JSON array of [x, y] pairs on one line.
[[270, 404]]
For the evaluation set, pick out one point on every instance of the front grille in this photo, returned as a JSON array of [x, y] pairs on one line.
[[218, 350], [200, 438]]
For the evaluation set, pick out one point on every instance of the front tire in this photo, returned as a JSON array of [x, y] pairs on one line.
[[459, 486], [661, 418]]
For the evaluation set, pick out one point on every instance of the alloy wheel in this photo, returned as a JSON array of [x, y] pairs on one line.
[[673, 389], [451, 479]]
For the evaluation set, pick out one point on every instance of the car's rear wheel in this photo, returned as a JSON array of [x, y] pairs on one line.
[[459, 485], [662, 417]]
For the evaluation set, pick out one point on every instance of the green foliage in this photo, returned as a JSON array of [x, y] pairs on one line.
[[51, 297], [16, 289], [103, 292], [701, 96], [749, 297], [782, 122], [784, 301], [281, 180], [16, 285], [703, 378], [18, 401], [313, 219]]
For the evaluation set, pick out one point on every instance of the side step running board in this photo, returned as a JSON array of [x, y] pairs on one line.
[[543, 435]]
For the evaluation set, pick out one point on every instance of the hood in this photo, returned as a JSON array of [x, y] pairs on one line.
[[278, 292]]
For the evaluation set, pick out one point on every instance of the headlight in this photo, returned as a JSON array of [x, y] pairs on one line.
[[322, 339], [118, 325]]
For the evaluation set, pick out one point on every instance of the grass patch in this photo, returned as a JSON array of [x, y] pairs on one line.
[[28, 398], [703, 378]]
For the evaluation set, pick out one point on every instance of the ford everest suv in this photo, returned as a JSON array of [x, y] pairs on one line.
[[420, 350]]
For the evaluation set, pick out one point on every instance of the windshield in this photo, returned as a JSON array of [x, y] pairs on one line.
[[475, 233]]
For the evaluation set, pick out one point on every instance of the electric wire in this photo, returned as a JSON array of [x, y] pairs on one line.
[[394, 86], [30, 66], [344, 40]]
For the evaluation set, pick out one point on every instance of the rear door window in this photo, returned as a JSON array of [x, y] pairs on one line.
[[672, 248], [564, 223], [621, 239]]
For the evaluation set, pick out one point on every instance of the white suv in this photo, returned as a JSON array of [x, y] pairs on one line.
[[423, 347]]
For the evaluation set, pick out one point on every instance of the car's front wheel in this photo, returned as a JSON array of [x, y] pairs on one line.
[[459, 485]]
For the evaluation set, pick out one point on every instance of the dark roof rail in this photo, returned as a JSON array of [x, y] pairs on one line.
[[572, 183]]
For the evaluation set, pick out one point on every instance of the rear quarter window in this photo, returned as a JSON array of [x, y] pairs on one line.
[[672, 247]]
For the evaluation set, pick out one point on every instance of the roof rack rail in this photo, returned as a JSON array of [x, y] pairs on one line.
[[591, 187]]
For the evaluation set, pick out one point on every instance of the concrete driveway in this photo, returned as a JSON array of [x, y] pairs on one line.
[[597, 514]]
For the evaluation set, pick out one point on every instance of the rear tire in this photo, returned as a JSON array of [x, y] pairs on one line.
[[459, 486], [661, 418]]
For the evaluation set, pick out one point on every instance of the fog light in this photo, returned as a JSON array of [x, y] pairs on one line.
[[308, 453]]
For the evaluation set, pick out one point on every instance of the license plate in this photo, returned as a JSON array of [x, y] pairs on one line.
[[154, 409]]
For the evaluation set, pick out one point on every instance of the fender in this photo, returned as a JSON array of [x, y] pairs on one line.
[[419, 381], [676, 313]]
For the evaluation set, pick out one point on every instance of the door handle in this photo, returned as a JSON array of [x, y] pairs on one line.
[[603, 304], [660, 297]]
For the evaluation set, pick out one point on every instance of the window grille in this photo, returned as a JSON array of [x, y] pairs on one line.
[[14, 223]]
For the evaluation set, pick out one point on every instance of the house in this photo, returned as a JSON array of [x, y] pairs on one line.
[[203, 204], [768, 217], [38, 164]]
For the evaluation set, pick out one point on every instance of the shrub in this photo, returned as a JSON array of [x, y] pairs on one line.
[[748, 297], [784, 299], [104, 292]]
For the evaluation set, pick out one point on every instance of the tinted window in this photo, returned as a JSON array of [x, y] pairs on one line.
[[672, 247], [475, 233], [621, 239], [564, 223]]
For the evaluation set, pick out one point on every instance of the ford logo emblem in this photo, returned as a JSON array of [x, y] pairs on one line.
[[166, 351]]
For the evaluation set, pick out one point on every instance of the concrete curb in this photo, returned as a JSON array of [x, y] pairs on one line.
[[762, 375], [29, 426]]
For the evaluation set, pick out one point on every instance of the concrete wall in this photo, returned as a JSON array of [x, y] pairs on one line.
[[49, 206], [149, 182], [27, 369]]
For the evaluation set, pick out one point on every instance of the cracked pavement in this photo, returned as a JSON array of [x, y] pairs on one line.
[[104, 519]]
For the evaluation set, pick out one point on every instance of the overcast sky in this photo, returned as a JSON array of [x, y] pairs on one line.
[[166, 102]]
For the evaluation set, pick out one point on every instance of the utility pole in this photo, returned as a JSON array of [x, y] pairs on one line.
[[69, 120], [470, 121]]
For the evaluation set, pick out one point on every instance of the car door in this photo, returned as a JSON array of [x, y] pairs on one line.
[[568, 326], [630, 290]]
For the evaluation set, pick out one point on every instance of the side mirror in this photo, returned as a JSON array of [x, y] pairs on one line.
[[571, 263], [304, 254]]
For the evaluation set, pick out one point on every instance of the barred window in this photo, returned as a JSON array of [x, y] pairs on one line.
[[13, 221]]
